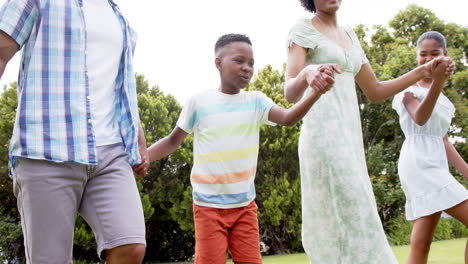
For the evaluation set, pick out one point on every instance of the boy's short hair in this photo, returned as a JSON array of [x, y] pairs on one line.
[[227, 39]]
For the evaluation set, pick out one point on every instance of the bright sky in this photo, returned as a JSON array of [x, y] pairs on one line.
[[176, 38]]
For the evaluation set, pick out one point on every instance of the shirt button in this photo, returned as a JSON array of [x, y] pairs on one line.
[[87, 97], [90, 120]]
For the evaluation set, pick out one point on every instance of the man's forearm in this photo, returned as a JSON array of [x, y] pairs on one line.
[[8, 48], [2, 68]]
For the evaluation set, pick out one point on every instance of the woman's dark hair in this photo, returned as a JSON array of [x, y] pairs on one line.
[[308, 5], [435, 35]]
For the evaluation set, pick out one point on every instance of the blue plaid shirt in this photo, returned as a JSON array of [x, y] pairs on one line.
[[53, 118]]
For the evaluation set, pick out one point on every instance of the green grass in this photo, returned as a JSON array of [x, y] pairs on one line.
[[442, 252]]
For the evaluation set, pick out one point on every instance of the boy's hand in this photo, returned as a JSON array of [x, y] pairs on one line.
[[321, 78], [141, 169]]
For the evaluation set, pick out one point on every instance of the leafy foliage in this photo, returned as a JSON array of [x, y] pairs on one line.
[[166, 192]]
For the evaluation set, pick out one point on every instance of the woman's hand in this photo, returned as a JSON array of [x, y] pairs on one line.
[[431, 67], [321, 77]]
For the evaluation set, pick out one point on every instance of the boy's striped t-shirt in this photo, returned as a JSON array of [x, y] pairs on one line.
[[226, 142]]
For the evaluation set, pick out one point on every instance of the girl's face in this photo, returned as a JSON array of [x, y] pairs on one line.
[[327, 6], [429, 49]]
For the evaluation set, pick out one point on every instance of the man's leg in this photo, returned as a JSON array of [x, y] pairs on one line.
[[112, 207], [127, 254], [48, 196]]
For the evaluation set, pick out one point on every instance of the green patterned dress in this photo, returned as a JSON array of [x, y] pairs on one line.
[[339, 213]]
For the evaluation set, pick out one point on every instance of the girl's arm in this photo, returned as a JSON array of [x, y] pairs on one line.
[[377, 90], [167, 145], [421, 112], [454, 158], [299, 77]]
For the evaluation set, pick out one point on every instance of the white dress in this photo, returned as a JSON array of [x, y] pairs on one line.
[[423, 167], [340, 222]]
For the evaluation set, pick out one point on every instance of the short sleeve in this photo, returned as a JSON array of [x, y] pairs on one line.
[[364, 59], [17, 19], [187, 117], [302, 34], [264, 105], [397, 102]]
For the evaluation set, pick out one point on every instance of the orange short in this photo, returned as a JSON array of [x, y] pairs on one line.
[[217, 230]]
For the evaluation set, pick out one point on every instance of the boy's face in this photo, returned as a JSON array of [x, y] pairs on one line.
[[235, 63]]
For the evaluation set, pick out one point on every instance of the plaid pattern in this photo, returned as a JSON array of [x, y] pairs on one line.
[[53, 120]]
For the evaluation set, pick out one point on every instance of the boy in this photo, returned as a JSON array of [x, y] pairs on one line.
[[226, 123]]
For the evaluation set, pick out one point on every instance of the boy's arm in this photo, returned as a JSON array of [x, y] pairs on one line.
[[420, 112], [167, 145], [454, 158], [8, 48], [291, 116]]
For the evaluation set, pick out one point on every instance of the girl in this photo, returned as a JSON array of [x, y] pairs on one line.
[[425, 116]]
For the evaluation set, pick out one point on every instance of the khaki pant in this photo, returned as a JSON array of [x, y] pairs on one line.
[[50, 195]]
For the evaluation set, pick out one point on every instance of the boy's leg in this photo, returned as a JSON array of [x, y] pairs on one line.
[[111, 205], [210, 235], [244, 241], [48, 195]]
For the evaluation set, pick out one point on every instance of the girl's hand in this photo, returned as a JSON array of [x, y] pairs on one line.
[[431, 66], [439, 71]]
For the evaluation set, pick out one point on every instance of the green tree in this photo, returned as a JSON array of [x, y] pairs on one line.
[[170, 231], [11, 239], [277, 180]]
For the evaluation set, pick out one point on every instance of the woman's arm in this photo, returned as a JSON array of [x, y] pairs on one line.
[[420, 112], [377, 90], [8, 48], [299, 76], [454, 158]]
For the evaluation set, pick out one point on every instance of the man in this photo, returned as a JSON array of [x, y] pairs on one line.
[[77, 131]]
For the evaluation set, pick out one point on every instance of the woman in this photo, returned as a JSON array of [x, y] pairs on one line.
[[340, 219]]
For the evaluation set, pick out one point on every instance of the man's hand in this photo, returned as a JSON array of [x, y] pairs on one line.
[[141, 169]]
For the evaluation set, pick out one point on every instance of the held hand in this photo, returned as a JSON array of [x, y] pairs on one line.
[[439, 71], [431, 66], [141, 169], [450, 67], [321, 77]]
